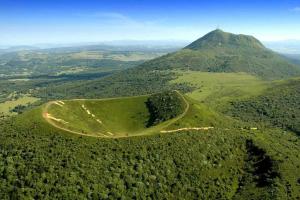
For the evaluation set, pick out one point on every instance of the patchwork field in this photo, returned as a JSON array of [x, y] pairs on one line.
[[121, 56]]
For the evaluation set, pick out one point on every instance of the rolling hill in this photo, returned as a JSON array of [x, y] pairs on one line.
[[220, 51], [186, 148], [199, 154], [216, 52]]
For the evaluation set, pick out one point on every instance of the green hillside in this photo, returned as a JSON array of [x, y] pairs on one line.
[[118, 117], [225, 162], [164, 106], [216, 52], [219, 38], [218, 89], [279, 106], [199, 154], [219, 51], [209, 122]]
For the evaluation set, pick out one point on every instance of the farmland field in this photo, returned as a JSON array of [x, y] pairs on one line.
[[8, 105]]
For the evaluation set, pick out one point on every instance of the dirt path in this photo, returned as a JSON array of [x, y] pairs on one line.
[[187, 107], [49, 116], [187, 129], [45, 116]]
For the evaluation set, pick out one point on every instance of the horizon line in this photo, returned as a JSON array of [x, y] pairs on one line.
[[110, 42]]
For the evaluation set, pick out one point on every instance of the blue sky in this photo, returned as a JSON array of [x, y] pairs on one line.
[[70, 21]]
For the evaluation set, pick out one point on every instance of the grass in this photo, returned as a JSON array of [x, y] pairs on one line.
[[118, 117], [154, 160], [279, 106], [128, 116], [123, 117], [200, 115], [213, 163], [224, 52], [217, 89], [8, 105]]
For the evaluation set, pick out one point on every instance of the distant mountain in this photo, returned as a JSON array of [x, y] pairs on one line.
[[285, 47], [16, 48], [295, 58], [219, 51], [218, 38]]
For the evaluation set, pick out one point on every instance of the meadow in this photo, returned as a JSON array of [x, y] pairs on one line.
[[114, 117], [7, 106], [218, 89]]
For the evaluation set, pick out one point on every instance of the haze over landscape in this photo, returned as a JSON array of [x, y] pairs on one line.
[[33, 22], [150, 99]]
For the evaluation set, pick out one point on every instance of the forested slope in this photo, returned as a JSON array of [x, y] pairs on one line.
[[38, 161], [279, 106]]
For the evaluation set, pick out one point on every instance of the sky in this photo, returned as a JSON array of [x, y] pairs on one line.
[[28, 22]]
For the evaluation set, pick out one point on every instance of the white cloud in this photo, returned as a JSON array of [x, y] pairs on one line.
[[112, 18], [296, 9]]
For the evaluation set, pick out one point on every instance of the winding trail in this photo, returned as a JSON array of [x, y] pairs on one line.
[[187, 107], [187, 129], [180, 117], [45, 116], [111, 135]]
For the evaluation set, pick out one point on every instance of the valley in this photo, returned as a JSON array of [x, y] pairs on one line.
[[30, 72]]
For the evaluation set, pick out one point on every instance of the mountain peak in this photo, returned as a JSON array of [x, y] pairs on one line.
[[218, 38], [217, 31]]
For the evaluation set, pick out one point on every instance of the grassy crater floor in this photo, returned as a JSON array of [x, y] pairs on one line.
[[117, 117]]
